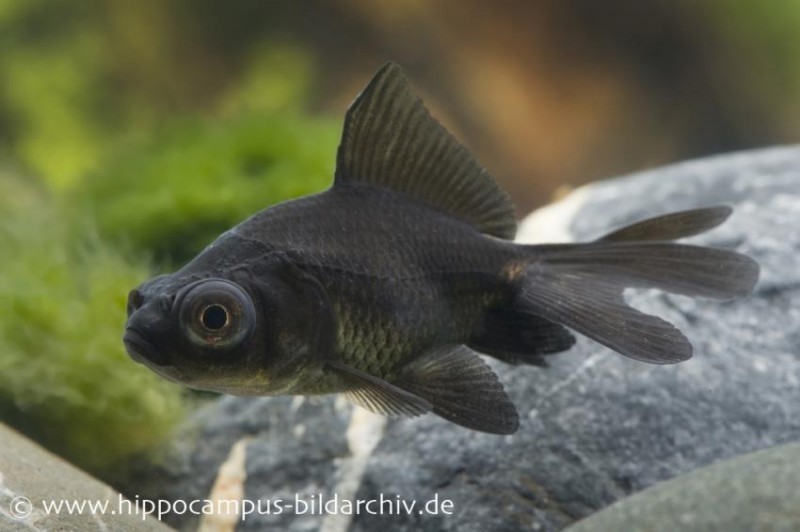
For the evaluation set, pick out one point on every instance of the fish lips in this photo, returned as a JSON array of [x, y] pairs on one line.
[[141, 349]]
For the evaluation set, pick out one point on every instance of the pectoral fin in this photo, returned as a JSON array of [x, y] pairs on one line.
[[377, 395], [462, 389]]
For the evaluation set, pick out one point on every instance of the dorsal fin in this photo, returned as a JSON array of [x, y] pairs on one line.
[[391, 140]]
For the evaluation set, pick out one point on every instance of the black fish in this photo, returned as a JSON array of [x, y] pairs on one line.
[[386, 285]]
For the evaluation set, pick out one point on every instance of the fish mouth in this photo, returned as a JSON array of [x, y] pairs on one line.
[[141, 349]]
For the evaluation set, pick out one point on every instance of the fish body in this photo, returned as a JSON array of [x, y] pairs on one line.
[[391, 296], [385, 286]]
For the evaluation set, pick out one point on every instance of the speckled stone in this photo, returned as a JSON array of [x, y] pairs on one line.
[[595, 427]]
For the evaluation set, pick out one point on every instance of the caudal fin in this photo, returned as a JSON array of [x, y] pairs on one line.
[[672, 226], [581, 285]]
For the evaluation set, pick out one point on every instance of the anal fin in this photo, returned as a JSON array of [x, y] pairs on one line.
[[516, 336]]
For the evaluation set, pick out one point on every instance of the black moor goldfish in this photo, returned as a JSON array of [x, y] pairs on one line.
[[387, 286]]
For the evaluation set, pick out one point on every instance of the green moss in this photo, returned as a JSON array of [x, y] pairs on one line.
[[197, 179], [71, 258], [49, 88], [87, 84], [64, 376]]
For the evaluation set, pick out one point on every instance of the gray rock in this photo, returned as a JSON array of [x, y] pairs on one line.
[[293, 446], [36, 487], [757, 491], [595, 427]]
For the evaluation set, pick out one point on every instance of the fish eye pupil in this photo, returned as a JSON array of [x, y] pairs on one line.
[[214, 317]]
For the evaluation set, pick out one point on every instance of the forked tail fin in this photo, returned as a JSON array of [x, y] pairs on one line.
[[581, 285]]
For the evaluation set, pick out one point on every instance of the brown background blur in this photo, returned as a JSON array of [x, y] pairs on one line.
[[547, 94]]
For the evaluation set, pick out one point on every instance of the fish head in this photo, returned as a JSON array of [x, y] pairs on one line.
[[246, 336], [200, 332]]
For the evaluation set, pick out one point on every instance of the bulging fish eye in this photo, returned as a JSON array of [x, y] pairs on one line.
[[216, 314]]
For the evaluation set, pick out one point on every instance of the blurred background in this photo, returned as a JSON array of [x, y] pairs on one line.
[[132, 133]]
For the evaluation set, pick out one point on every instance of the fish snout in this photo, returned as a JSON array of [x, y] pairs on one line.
[[146, 331], [139, 348]]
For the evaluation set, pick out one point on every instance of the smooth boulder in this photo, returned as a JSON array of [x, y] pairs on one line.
[[40, 491], [757, 491]]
